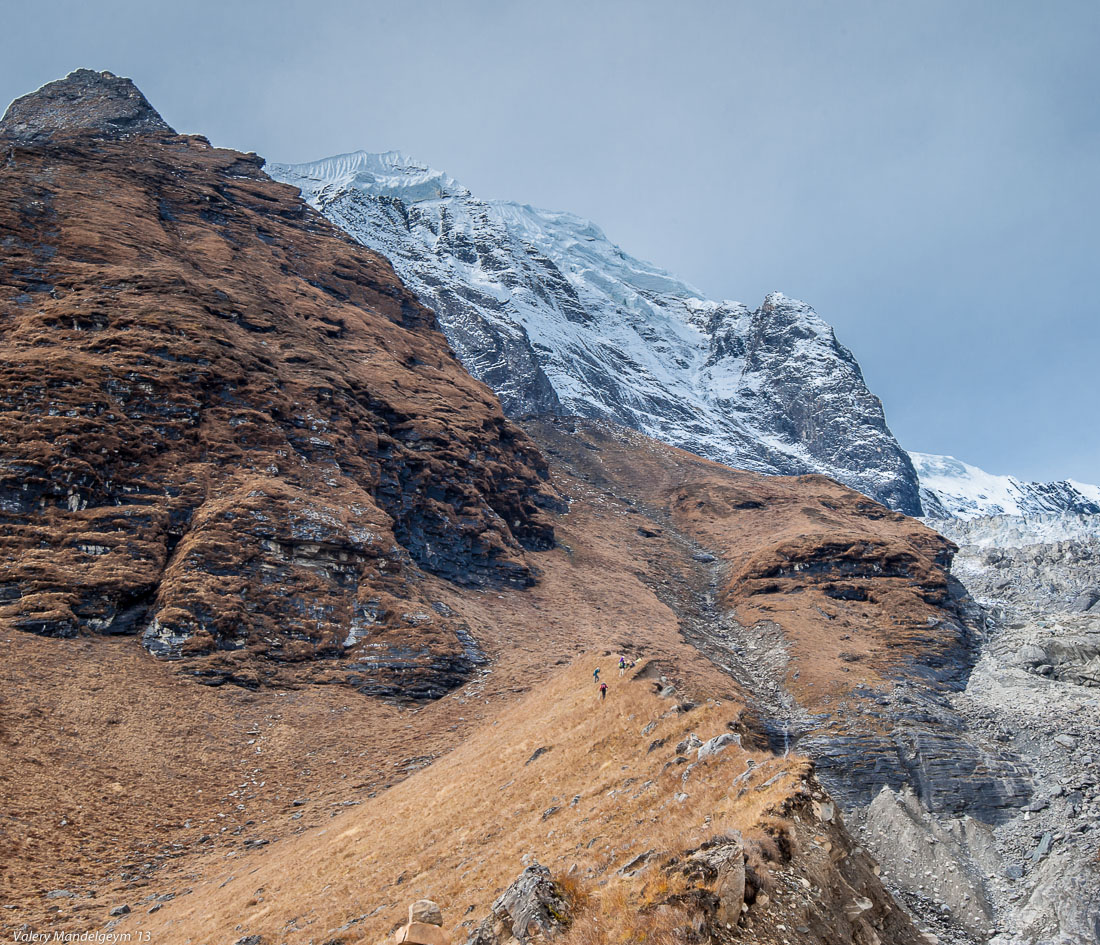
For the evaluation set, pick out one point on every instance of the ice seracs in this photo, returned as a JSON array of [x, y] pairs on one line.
[[951, 488], [546, 310]]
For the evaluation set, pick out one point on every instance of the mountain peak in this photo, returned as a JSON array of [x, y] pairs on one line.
[[84, 101], [777, 300], [544, 308]]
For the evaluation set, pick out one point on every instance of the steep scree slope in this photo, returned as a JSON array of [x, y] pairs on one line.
[[557, 319], [1034, 689], [223, 424]]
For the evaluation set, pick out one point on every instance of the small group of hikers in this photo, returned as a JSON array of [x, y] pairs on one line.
[[624, 665]]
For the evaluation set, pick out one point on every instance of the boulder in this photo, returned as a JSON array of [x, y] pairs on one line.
[[529, 912], [1030, 655], [717, 744], [720, 864], [424, 926], [426, 911], [1043, 848], [421, 933], [1085, 600], [690, 743]]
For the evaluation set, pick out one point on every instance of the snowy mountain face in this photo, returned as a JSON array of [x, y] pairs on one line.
[[557, 319], [950, 488]]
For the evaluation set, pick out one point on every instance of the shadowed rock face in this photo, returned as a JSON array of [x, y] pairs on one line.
[[225, 426], [85, 101]]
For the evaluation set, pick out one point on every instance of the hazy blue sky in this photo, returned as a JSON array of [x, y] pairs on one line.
[[925, 174]]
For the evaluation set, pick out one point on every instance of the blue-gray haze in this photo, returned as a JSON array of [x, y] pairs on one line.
[[925, 174]]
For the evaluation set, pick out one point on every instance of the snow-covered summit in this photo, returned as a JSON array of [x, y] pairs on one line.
[[557, 318], [389, 173], [952, 488]]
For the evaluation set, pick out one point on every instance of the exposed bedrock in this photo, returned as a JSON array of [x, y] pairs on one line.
[[950, 773], [895, 724]]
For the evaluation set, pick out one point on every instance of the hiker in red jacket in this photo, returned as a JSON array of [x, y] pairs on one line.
[[603, 690]]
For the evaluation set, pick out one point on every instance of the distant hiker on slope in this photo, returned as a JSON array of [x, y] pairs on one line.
[[622, 665], [603, 691], [596, 674]]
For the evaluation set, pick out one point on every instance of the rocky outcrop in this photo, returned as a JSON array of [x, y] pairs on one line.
[[88, 102], [817, 885], [558, 320], [226, 427], [532, 911], [718, 866]]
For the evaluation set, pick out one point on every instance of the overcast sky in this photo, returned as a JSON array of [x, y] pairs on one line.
[[925, 174]]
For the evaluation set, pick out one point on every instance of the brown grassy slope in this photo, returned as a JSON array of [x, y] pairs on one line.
[[606, 583], [560, 778], [83, 715]]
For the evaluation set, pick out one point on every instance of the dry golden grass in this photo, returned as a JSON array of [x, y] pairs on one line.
[[629, 911], [459, 831]]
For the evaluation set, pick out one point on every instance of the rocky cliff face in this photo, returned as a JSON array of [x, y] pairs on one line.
[[557, 319], [225, 426]]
